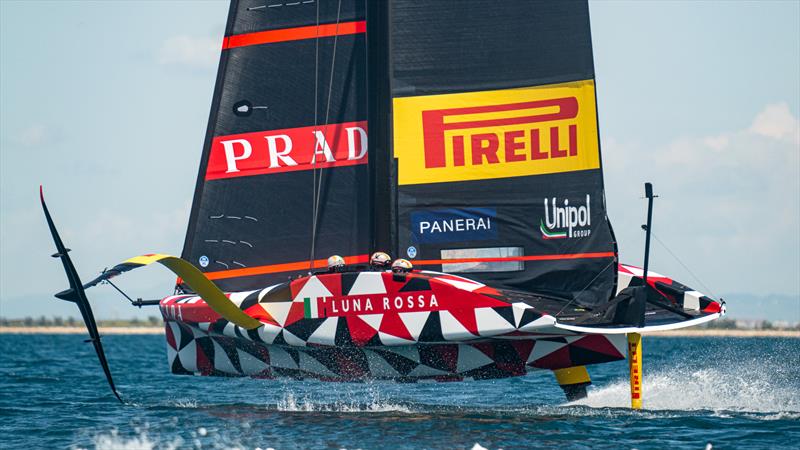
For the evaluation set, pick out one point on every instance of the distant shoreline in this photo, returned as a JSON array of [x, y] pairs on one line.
[[81, 330], [697, 332]]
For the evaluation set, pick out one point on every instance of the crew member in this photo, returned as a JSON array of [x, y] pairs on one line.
[[335, 264], [380, 261], [402, 266]]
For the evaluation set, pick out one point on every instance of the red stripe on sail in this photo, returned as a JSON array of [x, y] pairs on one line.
[[277, 268], [294, 34], [361, 259]]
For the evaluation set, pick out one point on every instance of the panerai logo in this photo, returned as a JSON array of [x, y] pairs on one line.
[[566, 221], [453, 225]]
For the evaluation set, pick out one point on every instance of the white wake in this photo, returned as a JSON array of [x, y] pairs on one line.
[[747, 388]]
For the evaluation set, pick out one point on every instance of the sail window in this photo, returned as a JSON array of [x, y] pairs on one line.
[[480, 254]]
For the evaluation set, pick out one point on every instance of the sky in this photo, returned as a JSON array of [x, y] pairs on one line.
[[106, 104]]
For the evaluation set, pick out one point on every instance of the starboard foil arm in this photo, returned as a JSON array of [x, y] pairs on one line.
[[193, 278], [76, 294]]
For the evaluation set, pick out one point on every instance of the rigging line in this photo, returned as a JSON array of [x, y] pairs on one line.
[[318, 188], [119, 290], [613, 261], [314, 154], [696, 278]]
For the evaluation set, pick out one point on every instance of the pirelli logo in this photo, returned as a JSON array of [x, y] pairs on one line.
[[496, 134]]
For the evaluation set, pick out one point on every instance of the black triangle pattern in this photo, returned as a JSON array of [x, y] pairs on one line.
[[343, 337], [303, 329], [218, 326], [186, 336], [528, 316], [279, 340], [229, 347], [507, 313], [401, 364], [580, 356], [250, 300], [416, 283], [432, 330], [177, 368], [348, 280], [254, 334], [431, 356]]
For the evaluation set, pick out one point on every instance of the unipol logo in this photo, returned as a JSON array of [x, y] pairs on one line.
[[496, 134], [287, 150], [513, 135], [566, 220]]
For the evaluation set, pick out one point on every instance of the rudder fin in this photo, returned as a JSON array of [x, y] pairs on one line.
[[573, 380]]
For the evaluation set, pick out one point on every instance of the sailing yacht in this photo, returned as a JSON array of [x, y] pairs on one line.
[[461, 137]]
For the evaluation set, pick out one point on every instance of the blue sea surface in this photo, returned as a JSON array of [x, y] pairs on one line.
[[724, 392]]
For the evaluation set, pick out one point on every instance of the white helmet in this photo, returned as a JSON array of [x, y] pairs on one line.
[[380, 260], [335, 263], [402, 266]]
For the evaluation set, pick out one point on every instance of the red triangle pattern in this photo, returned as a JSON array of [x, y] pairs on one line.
[[360, 332], [259, 313], [296, 313], [170, 337], [559, 359], [297, 285], [599, 344], [203, 364], [332, 282], [486, 348], [393, 324], [349, 367], [448, 355], [523, 348], [466, 317]]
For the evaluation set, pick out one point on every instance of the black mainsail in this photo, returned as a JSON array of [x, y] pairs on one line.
[[284, 165], [496, 169], [484, 160]]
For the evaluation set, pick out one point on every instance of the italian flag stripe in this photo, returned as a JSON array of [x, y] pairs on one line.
[[310, 308], [549, 234]]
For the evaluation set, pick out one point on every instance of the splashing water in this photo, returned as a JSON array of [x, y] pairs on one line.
[[291, 403], [757, 385], [706, 389]]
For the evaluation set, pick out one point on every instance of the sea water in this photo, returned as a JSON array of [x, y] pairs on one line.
[[699, 393]]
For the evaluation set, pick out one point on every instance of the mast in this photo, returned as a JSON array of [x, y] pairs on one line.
[[382, 177], [648, 193]]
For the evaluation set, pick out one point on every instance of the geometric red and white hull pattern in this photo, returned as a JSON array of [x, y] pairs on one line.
[[361, 325]]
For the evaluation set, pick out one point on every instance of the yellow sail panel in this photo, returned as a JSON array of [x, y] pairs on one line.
[[496, 134]]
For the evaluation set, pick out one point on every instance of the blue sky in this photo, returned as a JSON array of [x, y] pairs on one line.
[[106, 104]]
